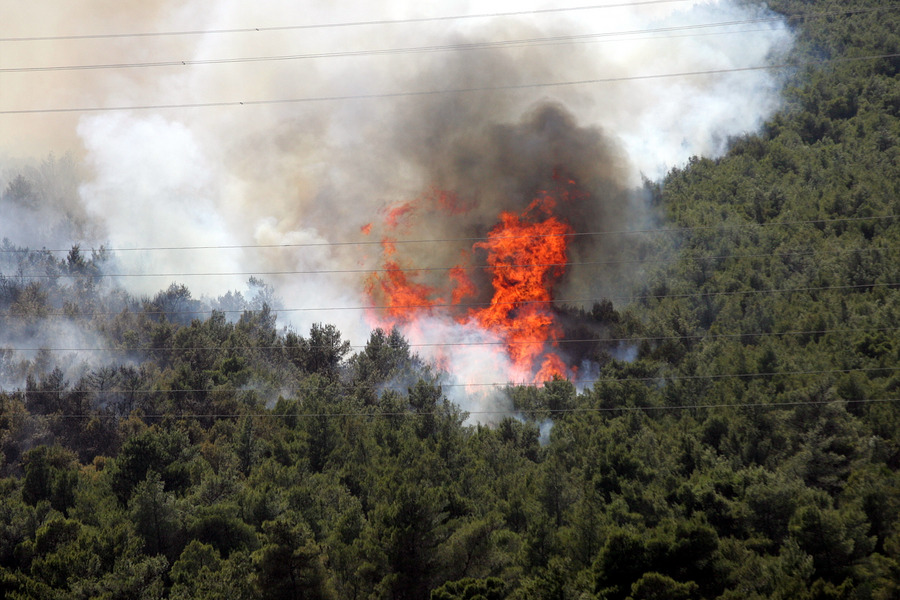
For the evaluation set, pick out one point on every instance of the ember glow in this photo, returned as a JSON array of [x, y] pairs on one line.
[[524, 256]]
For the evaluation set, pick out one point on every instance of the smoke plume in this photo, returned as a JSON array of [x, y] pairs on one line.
[[487, 109]]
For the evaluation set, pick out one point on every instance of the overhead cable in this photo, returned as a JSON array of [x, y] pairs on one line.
[[440, 92], [510, 413], [487, 45], [437, 413], [412, 269], [463, 305], [399, 242], [409, 20], [490, 384], [226, 347]]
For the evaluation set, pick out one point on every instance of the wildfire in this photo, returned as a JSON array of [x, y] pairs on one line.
[[526, 256], [402, 295]]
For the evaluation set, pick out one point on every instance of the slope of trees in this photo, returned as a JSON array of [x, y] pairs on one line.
[[749, 449]]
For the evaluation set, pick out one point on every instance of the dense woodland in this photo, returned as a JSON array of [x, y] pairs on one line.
[[750, 450]]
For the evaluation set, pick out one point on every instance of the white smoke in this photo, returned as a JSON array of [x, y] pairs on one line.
[[473, 362], [154, 186]]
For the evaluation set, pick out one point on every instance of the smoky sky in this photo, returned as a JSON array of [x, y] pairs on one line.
[[302, 178]]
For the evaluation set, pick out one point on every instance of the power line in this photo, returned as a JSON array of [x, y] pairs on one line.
[[794, 16], [338, 24], [22, 276], [464, 305], [436, 413], [756, 292], [426, 93], [488, 45], [492, 384], [621, 340], [531, 42], [664, 230]]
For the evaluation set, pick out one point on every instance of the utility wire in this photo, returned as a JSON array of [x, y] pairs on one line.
[[621, 340], [439, 92], [410, 270], [794, 16], [338, 24], [663, 230], [550, 41], [493, 384], [489, 45], [341, 24], [436, 413], [464, 305]]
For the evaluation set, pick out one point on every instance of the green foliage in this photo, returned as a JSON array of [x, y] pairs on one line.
[[51, 475], [153, 450], [289, 564], [201, 573], [490, 588], [653, 586], [155, 518]]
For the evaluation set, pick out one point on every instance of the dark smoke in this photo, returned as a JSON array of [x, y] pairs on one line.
[[502, 167]]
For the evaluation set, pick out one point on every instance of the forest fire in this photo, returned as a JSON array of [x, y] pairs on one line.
[[503, 285], [526, 257]]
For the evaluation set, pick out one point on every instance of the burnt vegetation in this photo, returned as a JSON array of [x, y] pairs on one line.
[[745, 444]]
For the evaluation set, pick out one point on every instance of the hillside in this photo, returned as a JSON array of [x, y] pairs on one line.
[[740, 438]]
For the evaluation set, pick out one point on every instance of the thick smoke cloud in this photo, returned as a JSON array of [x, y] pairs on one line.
[[313, 173], [492, 167]]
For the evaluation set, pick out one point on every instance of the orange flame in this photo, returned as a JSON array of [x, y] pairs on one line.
[[526, 257], [463, 285], [402, 297], [397, 214]]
